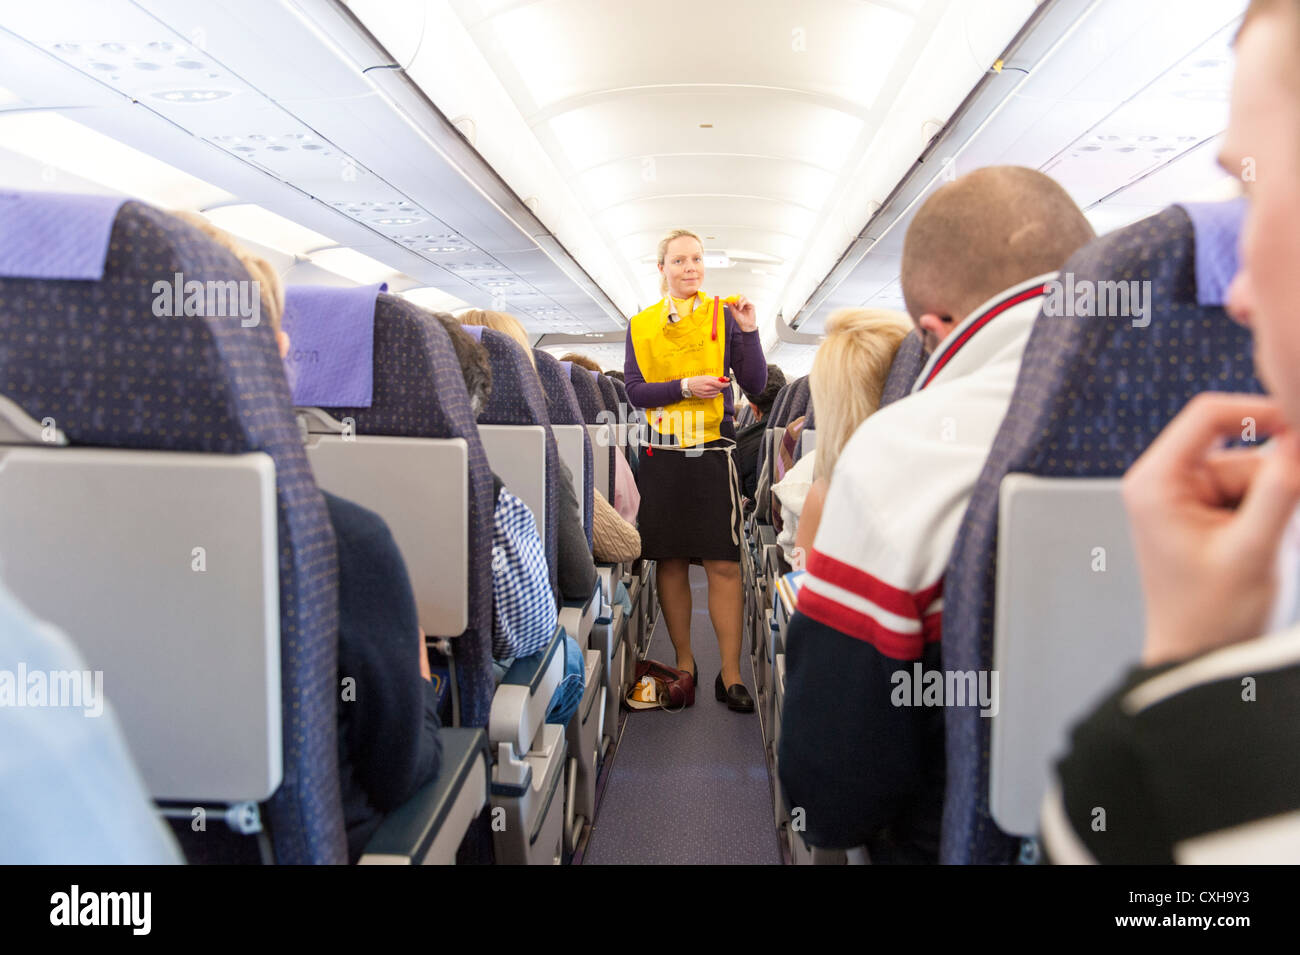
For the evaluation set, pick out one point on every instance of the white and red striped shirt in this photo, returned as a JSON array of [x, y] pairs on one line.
[[903, 481]]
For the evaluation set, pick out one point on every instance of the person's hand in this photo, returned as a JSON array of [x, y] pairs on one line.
[[704, 386], [743, 309], [1207, 523], [424, 659]]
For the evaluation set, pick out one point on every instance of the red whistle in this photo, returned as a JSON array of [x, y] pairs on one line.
[[723, 380]]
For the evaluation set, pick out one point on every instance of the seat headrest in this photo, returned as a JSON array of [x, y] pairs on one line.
[[331, 333], [1217, 226], [54, 235]]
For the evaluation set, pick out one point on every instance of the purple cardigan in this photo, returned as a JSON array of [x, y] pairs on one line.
[[743, 354]]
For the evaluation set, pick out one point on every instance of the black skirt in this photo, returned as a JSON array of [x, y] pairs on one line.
[[690, 503]]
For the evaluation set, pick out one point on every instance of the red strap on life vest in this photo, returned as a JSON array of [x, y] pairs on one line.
[[714, 336]]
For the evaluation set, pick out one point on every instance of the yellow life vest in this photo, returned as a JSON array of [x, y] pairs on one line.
[[666, 351]]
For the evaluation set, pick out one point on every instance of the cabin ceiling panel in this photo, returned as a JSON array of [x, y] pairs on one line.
[[557, 50]]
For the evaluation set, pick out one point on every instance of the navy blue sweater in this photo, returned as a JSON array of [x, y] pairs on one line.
[[388, 718], [864, 771]]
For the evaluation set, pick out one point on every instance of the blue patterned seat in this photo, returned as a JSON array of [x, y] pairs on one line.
[[419, 392], [621, 391], [800, 399], [93, 356], [779, 404], [907, 364], [1092, 395], [562, 408], [590, 400], [608, 394], [592, 403], [809, 424], [517, 399]]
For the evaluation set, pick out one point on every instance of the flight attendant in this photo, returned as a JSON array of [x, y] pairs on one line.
[[682, 354]]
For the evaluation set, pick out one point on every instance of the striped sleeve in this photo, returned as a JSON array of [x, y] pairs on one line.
[[897, 622], [1190, 763]]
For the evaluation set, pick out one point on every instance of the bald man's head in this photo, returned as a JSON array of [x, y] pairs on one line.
[[987, 231]]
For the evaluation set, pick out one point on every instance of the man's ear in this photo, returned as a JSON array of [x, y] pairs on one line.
[[282, 339], [935, 326]]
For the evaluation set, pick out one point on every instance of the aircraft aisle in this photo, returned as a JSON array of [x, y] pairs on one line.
[[690, 787]]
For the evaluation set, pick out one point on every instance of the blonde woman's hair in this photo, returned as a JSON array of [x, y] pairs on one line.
[[848, 375], [261, 271], [500, 322], [663, 252]]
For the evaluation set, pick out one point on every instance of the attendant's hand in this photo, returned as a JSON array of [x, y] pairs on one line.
[[743, 309], [424, 659], [703, 386], [1207, 523]]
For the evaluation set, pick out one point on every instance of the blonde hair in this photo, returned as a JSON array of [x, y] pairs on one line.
[[261, 271], [848, 375], [662, 252], [500, 322]]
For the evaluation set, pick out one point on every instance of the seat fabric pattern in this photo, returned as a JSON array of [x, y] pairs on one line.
[[419, 392], [93, 356], [562, 408], [1092, 394], [906, 366], [517, 399], [592, 403]]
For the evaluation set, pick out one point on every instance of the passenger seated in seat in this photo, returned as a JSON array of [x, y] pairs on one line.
[[864, 764], [576, 572], [389, 743], [523, 608], [750, 437], [847, 378], [614, 540], [1193, 757]]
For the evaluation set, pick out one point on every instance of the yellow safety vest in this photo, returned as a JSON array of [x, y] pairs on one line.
[[666, 351]]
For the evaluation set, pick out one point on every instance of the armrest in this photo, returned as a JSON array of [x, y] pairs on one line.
[[766, 535], [428, 827], [578, 616], [609, 574], [520, 703]]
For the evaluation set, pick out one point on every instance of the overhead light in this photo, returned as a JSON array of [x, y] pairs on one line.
[[263, 226], [191, 96], [716, 259], [434, 299], [62, 144], [352, 264]]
